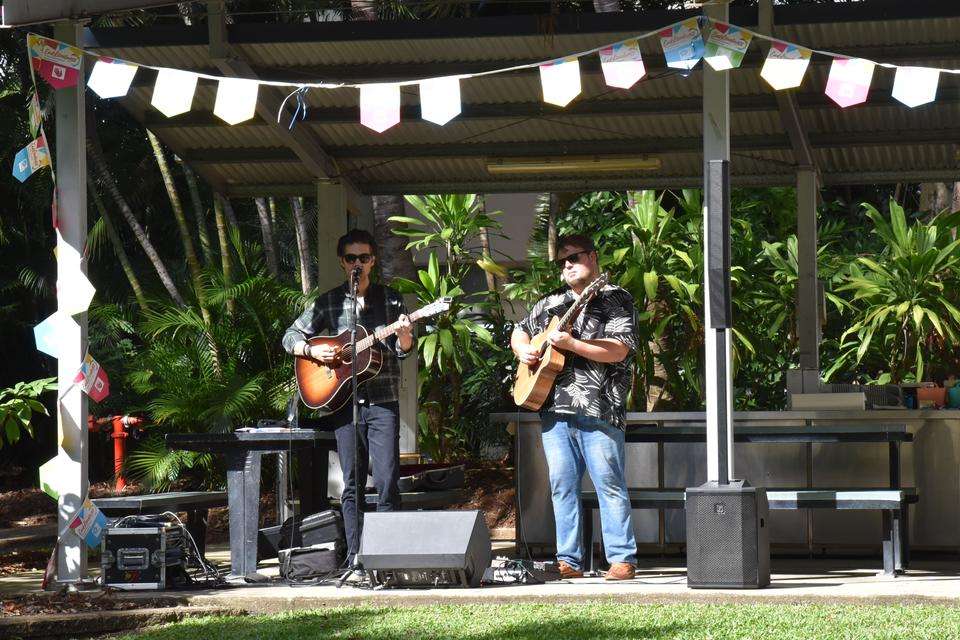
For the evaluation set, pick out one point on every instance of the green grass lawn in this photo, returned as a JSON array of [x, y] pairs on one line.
[[586, 621]]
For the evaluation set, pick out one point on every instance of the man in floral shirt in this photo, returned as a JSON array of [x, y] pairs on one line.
[[583, 418]]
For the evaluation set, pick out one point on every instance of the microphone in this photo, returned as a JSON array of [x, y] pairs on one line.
[[355, 276]]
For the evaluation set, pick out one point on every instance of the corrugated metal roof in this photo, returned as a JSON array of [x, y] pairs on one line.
[[874, 141]]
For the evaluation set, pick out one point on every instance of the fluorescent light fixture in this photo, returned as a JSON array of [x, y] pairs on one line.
[[572, 164]]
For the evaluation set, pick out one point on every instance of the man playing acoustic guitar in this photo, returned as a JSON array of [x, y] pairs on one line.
[[331, 313], [583, 417]]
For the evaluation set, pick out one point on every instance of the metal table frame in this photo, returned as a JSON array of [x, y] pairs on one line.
[[243, 451]]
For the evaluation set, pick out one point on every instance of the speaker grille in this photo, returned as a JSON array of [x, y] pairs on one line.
[[725, 537]]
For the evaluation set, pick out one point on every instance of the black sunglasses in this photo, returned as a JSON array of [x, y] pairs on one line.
[[350, 258], [573, 258]]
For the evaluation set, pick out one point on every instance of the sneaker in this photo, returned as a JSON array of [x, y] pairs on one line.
[[621, 571], [567, 572]]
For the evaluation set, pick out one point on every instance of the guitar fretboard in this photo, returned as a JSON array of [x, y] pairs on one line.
[[385, 332]]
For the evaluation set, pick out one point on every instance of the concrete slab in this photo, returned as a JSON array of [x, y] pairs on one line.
[[799, 580]]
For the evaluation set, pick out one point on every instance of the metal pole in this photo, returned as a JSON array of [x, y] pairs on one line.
[[72, 450], [808, 297], [719, 384]]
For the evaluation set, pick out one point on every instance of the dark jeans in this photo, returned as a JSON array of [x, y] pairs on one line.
[[380, 443]]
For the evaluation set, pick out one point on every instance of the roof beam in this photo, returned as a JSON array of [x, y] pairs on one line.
[[500, 111], [599, 182], [508, 26], [305, 146], [787, 102], [620, 146], [595, 182]]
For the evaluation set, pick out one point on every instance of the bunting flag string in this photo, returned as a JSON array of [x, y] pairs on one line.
[[684, 43]]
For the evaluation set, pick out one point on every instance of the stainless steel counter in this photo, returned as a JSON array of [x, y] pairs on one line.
[[931, 464]]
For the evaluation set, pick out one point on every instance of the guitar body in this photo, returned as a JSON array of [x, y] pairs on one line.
[[329, 387], [533, 385]]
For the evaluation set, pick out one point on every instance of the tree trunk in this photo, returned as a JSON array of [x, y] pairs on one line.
[[118, 247], [269, 250], [230, 213], [394, 258], [222, 237], [189, 252], [199, 211], [303, 245], [363, 9], [103, 174], [553, 210], [606, 6], [485, 247], [273, 211]]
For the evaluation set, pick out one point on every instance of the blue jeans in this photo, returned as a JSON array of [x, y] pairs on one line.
[[574, 443]]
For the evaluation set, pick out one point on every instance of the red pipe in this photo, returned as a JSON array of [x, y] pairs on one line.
[[119, 435]]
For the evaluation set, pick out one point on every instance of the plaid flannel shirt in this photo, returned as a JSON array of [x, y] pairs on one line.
[[331, 314]]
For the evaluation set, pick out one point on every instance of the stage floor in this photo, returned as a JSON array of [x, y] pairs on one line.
[[799, 580]]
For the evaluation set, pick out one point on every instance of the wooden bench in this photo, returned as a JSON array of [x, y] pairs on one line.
[[196, 504], [892, 503]]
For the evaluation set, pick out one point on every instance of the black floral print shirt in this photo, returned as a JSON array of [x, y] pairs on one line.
[[586, 387]]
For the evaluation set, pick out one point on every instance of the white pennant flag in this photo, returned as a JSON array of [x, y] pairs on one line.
[[173, 91], [111, 78], [236, 100], [914, 86], [785, 65], [379, 106], [440, 99], [74, 293], [560, 80], [622, 64]]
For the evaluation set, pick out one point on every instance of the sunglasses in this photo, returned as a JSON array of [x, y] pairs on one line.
[[350, 258], [573, 258]]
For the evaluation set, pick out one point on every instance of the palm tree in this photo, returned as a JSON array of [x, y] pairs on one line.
[[118, 248], [395, 259], [105, 177], [269, 249], [223, 238], [190, 254], [303, 244], [199, 211]]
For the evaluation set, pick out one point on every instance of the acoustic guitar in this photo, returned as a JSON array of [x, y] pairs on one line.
[[533, 384], [328, 387]]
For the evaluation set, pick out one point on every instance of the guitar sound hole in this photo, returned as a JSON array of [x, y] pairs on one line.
[[345, 354]]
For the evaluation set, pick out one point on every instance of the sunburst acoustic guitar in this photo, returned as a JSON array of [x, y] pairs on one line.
[[328, 387]]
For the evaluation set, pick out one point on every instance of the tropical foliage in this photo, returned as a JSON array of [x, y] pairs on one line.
[[17, 406]]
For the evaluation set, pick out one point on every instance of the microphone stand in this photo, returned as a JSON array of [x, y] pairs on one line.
[[360, 499]]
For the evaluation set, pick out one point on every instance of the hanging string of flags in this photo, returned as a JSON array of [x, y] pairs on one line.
[[684, 43]]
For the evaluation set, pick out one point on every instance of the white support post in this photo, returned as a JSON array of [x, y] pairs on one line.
[[331, 224], [72, 451], [718, 370], [808, 297]]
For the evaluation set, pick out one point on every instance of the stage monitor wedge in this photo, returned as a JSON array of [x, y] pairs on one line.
[[425, 548]]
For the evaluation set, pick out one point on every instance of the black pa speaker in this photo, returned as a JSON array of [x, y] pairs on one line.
[[425, 548], [728, 543]]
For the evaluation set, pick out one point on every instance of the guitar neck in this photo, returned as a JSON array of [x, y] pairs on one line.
[[385, 332]]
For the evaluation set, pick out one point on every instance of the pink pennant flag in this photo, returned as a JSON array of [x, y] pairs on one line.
[[622, 64], [57, 62], [379, 106], [849, 81]]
